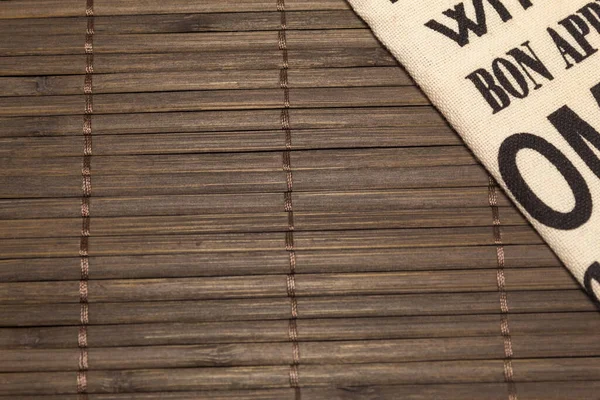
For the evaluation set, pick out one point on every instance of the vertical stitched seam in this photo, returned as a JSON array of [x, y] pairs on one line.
[[287, 202], [86, 188], [501, 283]]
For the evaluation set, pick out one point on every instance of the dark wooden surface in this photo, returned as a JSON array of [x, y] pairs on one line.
[[396, 277]]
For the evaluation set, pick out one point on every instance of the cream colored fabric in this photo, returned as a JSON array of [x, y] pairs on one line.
[[472, 58]]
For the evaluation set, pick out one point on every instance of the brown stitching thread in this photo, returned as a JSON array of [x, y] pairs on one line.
[[501, 283], [287, 200], [81, 384], [86, 193], [294, 379]]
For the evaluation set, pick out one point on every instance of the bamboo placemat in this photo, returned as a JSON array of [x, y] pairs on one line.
[[250, 200]]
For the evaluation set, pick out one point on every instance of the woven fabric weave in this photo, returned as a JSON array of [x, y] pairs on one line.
[[520, 82]]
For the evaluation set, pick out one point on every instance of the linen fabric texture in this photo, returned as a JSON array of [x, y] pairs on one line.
[[519, 80]]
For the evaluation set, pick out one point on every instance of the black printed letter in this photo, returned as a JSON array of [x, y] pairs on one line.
[[507, 159], [574, 129]]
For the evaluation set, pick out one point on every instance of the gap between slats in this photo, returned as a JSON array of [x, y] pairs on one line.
[[257, 222], [323, 160], [448, 304], [248, 182], [250, 99]]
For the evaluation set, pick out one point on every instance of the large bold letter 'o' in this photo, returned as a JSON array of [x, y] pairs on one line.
[[592, 274], [507, 159]]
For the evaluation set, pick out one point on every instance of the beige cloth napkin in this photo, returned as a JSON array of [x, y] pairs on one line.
[[520, 82]]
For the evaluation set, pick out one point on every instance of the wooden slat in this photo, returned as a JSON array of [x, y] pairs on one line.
[[274, 222], [311, 307], [411, 119], [246, 182], [74, 8], [259, 286], [181, 23], [269, 262], [181, 143], [174, 244], [242, 162], [237, 203], [460, 326], [345, 352], [216, 60], [27, 45], [204, 80], [490, 391], [214, 100], [319, 375]]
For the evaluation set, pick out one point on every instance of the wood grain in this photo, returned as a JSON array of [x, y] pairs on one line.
[[480, 371], [416, 119], [244, 242], [558, 390], [36, 45], [339, 57], [314, 353], [181, 23], [73, 8], [263, 286], [375, 328], [269, 262], [550, 301], [204, 80], [227, 141]]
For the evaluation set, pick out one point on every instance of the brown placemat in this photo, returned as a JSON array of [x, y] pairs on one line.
[[249, 199]]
